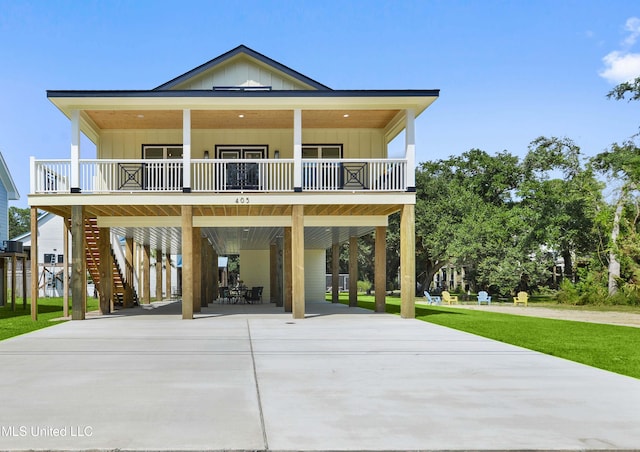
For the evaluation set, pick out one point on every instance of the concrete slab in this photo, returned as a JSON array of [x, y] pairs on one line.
[[252, 378]]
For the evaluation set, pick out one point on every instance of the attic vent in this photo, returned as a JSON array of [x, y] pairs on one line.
[[242, 88]]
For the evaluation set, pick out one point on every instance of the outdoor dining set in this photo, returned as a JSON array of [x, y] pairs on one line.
[[240, 295]]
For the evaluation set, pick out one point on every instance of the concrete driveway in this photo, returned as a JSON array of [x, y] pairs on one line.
[[251, 378]]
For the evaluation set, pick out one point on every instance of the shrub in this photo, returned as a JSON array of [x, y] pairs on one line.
[[364, 286]]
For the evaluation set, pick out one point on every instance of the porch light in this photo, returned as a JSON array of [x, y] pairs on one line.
[[206, 154], [276, 154], [240, 116], [346, 115]]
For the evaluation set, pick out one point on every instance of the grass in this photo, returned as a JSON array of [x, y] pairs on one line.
[[609, 347], [14, 323]]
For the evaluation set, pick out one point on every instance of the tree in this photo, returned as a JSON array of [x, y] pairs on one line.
[[19, 221], [622, 163], [620, 91]]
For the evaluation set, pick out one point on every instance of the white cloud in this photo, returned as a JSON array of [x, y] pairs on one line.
[[633, 27], [623, 65]]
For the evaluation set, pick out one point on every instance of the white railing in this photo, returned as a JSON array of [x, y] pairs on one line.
[[242, 175], [354, 174], [146, 175], [51, 176]]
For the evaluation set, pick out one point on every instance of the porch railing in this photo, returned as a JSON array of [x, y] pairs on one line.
[[215, 175]]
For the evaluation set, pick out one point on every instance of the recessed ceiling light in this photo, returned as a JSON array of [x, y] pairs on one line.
[[346, 115], [140, 116], [240, 116]]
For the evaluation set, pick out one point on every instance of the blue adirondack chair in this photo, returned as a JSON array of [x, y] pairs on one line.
[[432, 299], [484, 297]]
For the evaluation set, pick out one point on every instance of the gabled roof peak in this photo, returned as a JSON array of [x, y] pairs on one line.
[[242, 49]]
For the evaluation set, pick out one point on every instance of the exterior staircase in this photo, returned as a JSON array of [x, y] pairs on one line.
[[120, 286]]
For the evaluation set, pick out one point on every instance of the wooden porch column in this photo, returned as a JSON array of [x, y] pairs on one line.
[[24, 281], [34, 264], [167, 275], [158, 274], [353, 272], [128, 293], [106, 270], [297, 261], [204, 268], [288, 271], [3, 281], [407, 262], [197, 270], [335, 272], [273, 272], [65, 267], [14, 279], [214, 274], [146, 274], [187, 262], [78, 264], [381, 268]]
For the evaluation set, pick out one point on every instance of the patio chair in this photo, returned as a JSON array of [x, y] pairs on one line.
[[484, 297], [223, 295], [523, 297], [255, 295], [448, 298], [432, 299]]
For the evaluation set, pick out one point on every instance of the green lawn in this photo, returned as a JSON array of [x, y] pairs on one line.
[[609, 347], [13, 323]]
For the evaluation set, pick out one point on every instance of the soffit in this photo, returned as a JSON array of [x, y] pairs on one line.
[[240, 119]]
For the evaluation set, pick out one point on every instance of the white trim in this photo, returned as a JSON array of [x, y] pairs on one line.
[[186, 148], [410, 148], [297, 148], [335, 220], [75, 149]]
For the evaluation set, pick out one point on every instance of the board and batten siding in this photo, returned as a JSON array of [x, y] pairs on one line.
[[240, 73], [127, 144]]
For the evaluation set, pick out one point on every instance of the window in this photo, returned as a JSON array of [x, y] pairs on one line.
[[321, 151], [172, 151]]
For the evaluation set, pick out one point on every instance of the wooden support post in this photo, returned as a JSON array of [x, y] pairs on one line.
[[65, 268], [24, 282], [407, 262], [3, 282], [167, 276], [187, 262], [353, 272], [79, 264], [128, 293], [335, 272], [146, 274], [158, 274], [197, 270], [288, 271], [106, 270], [14, 272], [273, 272], [297, 261], [214, 273], [380, 277], [34, 263]]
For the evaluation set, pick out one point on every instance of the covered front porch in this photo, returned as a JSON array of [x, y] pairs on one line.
[[284, 242]]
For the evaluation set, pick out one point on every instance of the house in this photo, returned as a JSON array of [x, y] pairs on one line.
[[8, 192], [239, 156]]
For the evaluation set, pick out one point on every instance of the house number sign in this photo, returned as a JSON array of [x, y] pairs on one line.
[[242, 200]]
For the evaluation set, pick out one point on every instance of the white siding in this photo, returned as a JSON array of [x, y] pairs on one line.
[[241, 72], [314, 275]]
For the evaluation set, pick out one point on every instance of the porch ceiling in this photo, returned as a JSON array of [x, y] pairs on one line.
[[230, 240], [240, 119]]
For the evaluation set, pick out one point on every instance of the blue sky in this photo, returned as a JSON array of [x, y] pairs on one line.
[[508, 71]]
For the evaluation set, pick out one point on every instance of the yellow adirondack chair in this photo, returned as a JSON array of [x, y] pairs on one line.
[[523, 297], [448, 298]]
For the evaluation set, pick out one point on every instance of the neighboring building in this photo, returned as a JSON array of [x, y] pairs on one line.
[[239, 156], [8, 192]]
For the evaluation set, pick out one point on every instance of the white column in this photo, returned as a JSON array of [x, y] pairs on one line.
[[32, 175], [410, 149], [186, 150], [297, 150], [75, 151]]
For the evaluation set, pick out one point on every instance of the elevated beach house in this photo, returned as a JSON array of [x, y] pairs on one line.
[[239, 156]]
